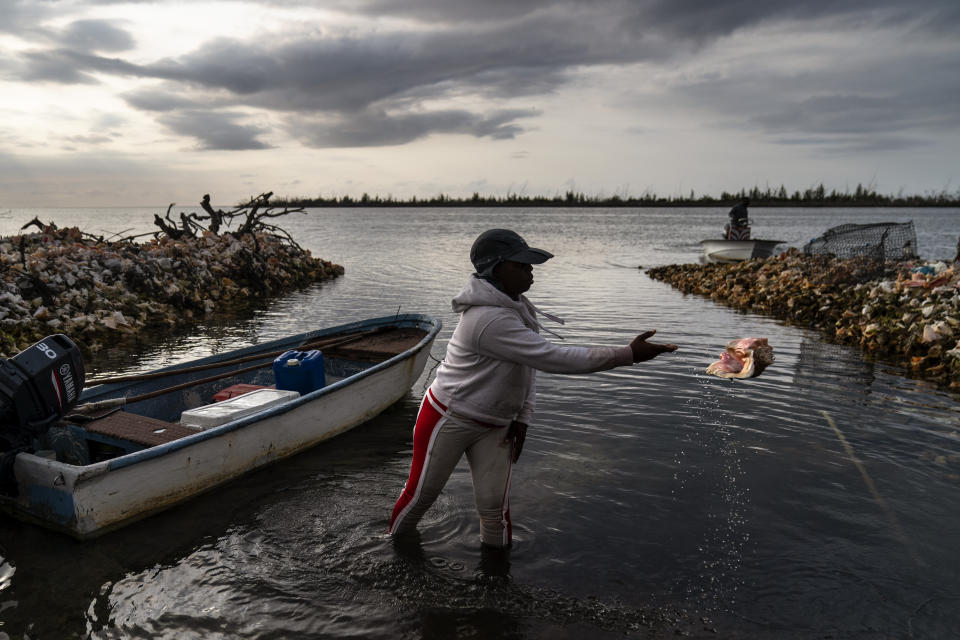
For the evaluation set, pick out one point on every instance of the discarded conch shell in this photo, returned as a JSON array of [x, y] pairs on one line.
[[744, 358], [936, 331]]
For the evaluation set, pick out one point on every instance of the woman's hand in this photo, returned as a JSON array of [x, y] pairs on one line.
[[643, 350], [516, 434]]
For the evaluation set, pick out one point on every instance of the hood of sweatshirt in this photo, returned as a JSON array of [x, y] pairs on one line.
[[480, 293]]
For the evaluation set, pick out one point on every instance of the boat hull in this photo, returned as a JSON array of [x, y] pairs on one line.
[[86, 501], [725, 251]]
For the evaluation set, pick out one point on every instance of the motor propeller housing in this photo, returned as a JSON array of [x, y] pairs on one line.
[[38, 386]]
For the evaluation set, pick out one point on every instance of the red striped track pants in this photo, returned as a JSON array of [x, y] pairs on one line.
[[440, 438]]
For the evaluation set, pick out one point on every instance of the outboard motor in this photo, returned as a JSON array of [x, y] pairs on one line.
[[38, 386]]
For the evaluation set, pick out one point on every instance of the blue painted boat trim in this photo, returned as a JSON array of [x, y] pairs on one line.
[[58, 504], [411, 320]]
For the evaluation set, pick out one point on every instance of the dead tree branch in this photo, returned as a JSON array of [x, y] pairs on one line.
[[250, 217]]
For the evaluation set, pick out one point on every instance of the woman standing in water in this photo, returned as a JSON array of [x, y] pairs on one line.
[[484, 393]]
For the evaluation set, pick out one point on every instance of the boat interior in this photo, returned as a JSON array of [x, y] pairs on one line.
[[155, 402]]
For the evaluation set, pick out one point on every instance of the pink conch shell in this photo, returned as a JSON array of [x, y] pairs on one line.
[[744, 358]]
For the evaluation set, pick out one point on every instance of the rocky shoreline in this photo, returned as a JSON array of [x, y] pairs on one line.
[[907, 313], [60, 280]]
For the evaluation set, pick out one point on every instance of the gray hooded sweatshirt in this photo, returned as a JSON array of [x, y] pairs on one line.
[[489, 371]]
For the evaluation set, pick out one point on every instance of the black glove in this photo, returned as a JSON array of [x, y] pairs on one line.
[[516, 434]]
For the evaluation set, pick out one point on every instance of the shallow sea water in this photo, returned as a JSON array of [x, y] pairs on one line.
[[818, 500]]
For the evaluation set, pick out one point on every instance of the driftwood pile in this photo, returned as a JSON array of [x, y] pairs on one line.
[[253, 215], [63, 280]]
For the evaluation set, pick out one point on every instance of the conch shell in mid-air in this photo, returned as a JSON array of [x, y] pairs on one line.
[[744, 358]]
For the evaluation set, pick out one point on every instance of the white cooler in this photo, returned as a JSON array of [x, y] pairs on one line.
[[213, 415]]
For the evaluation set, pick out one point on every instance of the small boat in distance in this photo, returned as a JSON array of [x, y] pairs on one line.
[[736, 244], [128, 450], [725, 251]]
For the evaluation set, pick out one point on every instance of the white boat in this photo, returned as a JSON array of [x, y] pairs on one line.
[[129, 462], [724, 251]]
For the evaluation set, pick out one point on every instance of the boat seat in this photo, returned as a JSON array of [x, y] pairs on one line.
[[378, 347], [142, 430]]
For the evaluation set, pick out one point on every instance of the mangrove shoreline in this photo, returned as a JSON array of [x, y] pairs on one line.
[[814, 197]]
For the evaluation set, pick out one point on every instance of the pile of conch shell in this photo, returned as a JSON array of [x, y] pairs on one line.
[[60, 280], [903, 313], [743, 358]]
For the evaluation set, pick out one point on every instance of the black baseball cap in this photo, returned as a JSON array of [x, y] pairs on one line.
[[499, 245]]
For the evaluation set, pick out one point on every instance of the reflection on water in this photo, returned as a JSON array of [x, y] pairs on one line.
[[826, 366], [649, 500], [6, 574]]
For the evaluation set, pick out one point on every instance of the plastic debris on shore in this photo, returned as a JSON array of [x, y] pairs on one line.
[[743, 358]]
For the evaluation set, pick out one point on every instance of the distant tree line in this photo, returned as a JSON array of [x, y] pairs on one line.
[[769, 197]]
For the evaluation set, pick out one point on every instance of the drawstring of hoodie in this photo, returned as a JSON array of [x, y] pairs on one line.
[[530, 309], [534, 310]]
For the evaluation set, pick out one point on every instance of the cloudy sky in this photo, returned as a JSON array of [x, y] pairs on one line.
[[146, 103]]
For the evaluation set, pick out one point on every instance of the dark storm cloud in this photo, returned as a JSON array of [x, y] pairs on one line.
[[22, 16], [215, 129], [96, 35], [708, 19], [372, 89], [687, 19], [855, 145], [858, 114], [51, 60], [168, 98], [51, 66], [372, 128], [945, 20], [358, 82], [68, 66], [454, 10], [882, 104], [350, 73], [93, 139]]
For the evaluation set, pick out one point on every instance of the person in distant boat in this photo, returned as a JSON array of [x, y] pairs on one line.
[[483, 397], [739, 226]]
